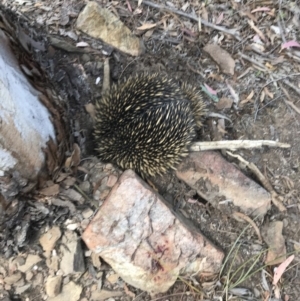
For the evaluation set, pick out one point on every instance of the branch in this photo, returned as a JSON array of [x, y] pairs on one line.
[[232, 32], [235, 144]]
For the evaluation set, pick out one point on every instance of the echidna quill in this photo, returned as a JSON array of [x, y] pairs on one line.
[[147, 123]]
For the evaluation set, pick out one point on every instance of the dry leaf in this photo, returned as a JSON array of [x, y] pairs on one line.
[[221, 57], [269, 66], [290, 44], [262, 96], [235, 96], [268, 93], [148, 34], [74, 160], [146, 26], [258, 31], [185, 6], [224, 103], [281, 269], [90, 108], [278, 60], [210, 90], [260, 9], [217, 77], [61, 177], [220, 18], [248, 98], [137, 11], [128, 292], [50, 191], [204, 14], [272, 235]]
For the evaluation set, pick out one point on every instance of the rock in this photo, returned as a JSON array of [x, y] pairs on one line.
[[53, 285], [100, 23], [50, 191], [72, 257], [52, 263], [21, 289], [38, 280], [113, 278], [221, 183], [105, 294], [72, 195], [87, 213], [70, 292], [28, 276], [144, 242], [85, 186], [96, 260], [13, 278], [112, 180], [48, 240], [31, 260]]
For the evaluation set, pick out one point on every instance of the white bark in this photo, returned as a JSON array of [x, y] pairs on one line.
[[25, 125]]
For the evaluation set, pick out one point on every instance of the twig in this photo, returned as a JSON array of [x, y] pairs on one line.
[[239, 215], [232, 32], [293, 106], [126, 67], [92, 201], [276, 199], [106, 77], [286, 82], [270, 82], [235, 144], [246, 57]]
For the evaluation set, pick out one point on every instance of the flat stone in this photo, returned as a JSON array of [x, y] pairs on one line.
[[87, 213], [21, 289], [53, 285], [31, 260], [72, 256], [53, 263], [70, 292], [48, 240], [149, 246], [100, 23], [105, 295], [223, 185], [13, 278]]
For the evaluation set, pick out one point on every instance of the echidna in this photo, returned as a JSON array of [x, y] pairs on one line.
[[147, 123]]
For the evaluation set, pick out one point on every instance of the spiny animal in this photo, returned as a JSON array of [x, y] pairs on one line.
[[147, 122]]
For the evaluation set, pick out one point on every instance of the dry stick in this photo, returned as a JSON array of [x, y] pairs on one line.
[[235, 144], [239, 215], [291, 86], [270, 82], [106, 71], [251, 60], [232, 32], [289, 102], [276, 199]]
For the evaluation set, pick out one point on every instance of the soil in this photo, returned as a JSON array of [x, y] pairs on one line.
[[181, 56]]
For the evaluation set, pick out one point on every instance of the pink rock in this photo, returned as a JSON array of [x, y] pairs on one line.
[[136, 232], [222, 184]]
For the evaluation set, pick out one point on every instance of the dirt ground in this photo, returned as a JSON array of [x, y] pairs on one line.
[[175, 47]]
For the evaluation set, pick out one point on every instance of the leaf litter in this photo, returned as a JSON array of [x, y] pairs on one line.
[[256, 41]]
